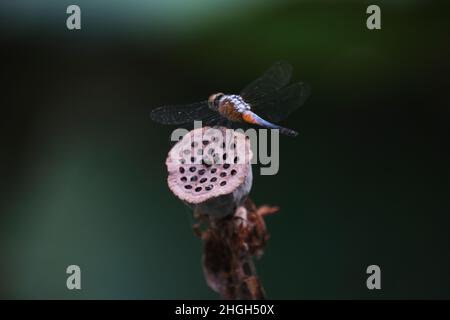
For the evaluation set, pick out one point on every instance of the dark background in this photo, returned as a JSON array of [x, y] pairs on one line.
[[83, 179]]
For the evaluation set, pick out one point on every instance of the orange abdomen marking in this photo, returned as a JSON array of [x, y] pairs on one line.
[[249, 118]]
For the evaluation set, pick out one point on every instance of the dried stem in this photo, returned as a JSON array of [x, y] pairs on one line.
[[230, 244]]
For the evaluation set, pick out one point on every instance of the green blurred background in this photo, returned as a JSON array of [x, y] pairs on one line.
[[83, 179]]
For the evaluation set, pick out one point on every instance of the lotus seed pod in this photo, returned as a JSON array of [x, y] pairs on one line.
[[210, 170]]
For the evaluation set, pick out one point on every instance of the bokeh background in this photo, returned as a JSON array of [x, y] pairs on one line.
[[83, 179]]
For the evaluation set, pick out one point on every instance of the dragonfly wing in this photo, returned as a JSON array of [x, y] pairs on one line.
[[213, 120], [181, 114], [276, 77], [279, 104]]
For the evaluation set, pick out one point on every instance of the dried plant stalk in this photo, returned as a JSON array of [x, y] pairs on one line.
[[230, 244]]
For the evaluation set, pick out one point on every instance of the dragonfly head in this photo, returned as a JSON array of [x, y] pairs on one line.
[[214, 101]]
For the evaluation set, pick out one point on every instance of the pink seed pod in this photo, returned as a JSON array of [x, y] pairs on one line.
[[210, 170]]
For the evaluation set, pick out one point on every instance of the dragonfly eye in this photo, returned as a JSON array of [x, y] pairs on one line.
[[214, 100]]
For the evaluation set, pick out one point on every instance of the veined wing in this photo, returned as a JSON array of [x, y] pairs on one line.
[[276, 77], [181, 114], [280, 103]]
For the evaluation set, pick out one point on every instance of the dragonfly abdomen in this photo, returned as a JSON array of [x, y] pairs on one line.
[[253, 118]]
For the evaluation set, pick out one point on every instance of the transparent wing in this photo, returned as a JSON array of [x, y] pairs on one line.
[[282, 102], [213, 120], [276, 77], [181, 114]]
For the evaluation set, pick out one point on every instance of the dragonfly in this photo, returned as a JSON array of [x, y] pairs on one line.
[[264, 102]]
